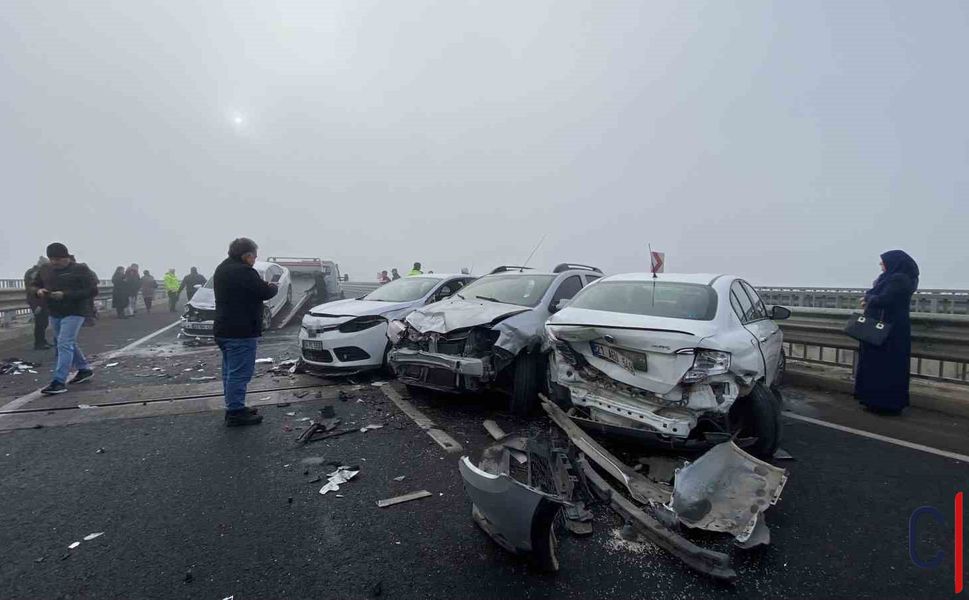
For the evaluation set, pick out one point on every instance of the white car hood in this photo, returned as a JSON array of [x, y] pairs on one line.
[[351, 307], [204, 299], [454, 313]]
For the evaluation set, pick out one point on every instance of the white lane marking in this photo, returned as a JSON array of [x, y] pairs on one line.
[[443, 440], [136, 343], [879, 437], [17, 403]]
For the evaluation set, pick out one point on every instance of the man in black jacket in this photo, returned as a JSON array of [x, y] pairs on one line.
[[190, 281], [69, 289], [239, 296], [37, 306]]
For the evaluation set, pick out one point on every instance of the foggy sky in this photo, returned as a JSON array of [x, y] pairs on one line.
[[787, 142]]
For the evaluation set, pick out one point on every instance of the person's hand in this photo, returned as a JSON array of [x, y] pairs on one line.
[[42, 292], [57, 295]]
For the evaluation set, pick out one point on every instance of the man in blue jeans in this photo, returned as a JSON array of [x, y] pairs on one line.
[[239, 296], [68, 287]]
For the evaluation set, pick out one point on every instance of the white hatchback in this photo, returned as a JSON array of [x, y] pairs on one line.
[[685, 360], [348, 336]]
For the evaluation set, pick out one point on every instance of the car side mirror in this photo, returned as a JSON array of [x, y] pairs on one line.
[[779, 313], [559, 305]]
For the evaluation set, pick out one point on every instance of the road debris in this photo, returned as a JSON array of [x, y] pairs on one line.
[[16, 366], [337, 478], [85, 406], [203, 378], [99, 451], [74, 545], [399, 478], [263, 361], [112, 364], [92, 536], [367, 428], [405, 498], [726, 489]]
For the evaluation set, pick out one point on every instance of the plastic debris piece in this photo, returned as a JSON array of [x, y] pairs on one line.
[[187, 370], [92, 536], [263, 361], [157, 369], [114, 364], [337, 478], [367, 428], [74, 545], [99, 451], [405, 498], [400, 478], [290, 414]]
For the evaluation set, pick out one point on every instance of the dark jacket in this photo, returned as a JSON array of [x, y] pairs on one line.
[[239, 296], [32, 300], [132, 281], [189, 282], [148, 286], [76, 280], [119, 291]]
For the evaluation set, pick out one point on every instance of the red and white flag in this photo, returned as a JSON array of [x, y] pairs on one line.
[[657, 261]]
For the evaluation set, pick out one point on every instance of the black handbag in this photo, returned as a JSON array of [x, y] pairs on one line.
[[868, 329]]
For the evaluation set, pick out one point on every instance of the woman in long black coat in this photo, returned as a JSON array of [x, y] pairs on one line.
[[881, 381], [119, 292]]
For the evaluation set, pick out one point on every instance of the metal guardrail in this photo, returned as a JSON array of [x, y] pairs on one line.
[[950, 302], [940, 343], [13, 300], [355, 289]]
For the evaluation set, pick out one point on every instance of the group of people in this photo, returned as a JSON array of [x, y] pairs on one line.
[[66, 289], [383, 277], [128, 283]]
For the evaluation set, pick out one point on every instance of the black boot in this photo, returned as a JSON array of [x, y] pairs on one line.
[[241, 418]]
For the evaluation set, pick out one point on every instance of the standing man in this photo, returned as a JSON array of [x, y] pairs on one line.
[[319, 288], [416, 270], [239, 296], [38, 307], [394, 274], [191, 280], [132, 282], [171, 288], [68, 288]]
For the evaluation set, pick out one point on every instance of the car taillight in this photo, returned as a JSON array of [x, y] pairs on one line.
[[360, 324], [707, 363]]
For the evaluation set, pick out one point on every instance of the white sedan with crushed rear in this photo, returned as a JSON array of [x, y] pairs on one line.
[[686, 361]]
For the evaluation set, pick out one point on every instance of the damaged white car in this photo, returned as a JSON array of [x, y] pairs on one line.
[[684, 360], [349, 336], [491, 334]]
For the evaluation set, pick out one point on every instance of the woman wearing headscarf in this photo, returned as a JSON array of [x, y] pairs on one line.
[[119, 292], [881, 381], [148, 287]]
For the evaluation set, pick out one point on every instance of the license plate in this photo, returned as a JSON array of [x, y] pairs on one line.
[[631, 361], [199, 326], [313, 344]]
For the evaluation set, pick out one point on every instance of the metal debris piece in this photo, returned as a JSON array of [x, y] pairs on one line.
[[726, 489], [514, 443], [517, 517], [715, 564], [404, 498], [661, 468], [642, 490], [337, 478]]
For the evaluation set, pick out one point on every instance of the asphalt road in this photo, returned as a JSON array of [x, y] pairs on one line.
[[176, 493]]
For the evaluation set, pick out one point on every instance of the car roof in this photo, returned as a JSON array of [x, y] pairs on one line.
[[436, 276], [700, 278]]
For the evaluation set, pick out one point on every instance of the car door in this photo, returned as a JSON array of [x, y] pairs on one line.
[[566, 290], [750, 319], [769, 334]]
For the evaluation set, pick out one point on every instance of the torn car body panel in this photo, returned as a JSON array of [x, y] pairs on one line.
[[517, 517], [726, 489]]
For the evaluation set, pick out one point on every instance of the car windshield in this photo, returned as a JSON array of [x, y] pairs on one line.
[[403, 290], [209, 283], [656, 299], [523, 290]]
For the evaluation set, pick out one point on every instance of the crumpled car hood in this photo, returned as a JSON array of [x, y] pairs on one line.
[[351, 307], [455, 313], [204, 299]]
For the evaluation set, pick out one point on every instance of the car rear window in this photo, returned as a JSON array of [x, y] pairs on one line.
[[656, 299]]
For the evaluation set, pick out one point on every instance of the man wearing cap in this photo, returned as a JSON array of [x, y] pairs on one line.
[[68, 288]]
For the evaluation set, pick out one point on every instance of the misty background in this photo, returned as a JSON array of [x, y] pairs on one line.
[[787, 142]]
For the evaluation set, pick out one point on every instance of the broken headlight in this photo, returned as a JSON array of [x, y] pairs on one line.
[[395, 331], [360, 324], [707, 363]]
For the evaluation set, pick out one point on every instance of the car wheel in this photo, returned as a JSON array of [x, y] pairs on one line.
[[757, 415], [267, 318], [525, 388]]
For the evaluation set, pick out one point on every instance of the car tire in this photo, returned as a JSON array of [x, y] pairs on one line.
[[525, 386], [757, 414]]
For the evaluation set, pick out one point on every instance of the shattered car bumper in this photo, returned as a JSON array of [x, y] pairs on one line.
[[437, 371]]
